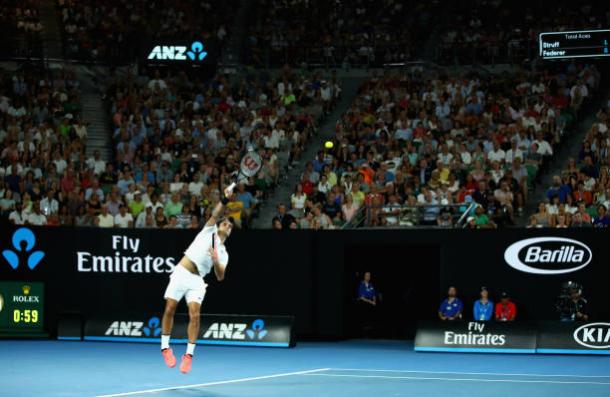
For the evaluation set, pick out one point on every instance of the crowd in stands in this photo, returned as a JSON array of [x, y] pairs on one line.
[[333, 33], [422, 151], [178, 142], [117, 31], [40, 135], [580, 193], [20, 28]]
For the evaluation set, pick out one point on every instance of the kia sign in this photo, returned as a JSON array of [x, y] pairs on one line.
[[548, 255], [216, 329], [595, 335], [574, 338]]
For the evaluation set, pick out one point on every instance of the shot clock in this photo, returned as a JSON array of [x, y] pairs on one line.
[[21, 308]]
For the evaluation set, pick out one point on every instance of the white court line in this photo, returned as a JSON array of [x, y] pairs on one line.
[[222, 382], [458, 379], [466, 373]]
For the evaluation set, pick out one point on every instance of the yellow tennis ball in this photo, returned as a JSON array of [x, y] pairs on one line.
[[328, 144]]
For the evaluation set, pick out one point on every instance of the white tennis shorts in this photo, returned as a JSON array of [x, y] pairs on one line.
[[183, 283]]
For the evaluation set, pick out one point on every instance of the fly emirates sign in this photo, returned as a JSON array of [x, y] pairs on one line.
[[476, 336], [124, 256]]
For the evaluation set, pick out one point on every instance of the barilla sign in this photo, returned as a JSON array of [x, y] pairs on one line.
[[548, 255]]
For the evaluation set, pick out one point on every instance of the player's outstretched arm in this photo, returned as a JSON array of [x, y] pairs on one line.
[[219, 209]]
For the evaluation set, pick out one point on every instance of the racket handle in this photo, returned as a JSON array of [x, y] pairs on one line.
[[232, 186]]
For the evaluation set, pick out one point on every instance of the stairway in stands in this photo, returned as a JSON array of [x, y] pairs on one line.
[[94, 113], [326, 131]]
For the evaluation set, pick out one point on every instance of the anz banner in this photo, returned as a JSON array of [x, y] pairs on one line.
[[180, 52], [216, 329], [491, 337]]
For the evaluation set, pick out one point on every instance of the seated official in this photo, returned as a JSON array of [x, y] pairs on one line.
[[483, 308], [451, 308], [505, 309]]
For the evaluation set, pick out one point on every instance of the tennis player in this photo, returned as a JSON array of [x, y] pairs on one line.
[[207, 251]]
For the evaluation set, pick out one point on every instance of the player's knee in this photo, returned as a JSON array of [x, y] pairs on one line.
[[194, 316], [170, 308]]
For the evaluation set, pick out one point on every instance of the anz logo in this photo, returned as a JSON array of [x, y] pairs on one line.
[[236, 331], [178, 52], [135, 328], [23, 235]]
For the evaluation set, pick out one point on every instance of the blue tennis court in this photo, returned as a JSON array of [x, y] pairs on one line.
[[352, 368]]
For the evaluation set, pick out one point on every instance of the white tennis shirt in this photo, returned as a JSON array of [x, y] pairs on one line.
[[198, 253]]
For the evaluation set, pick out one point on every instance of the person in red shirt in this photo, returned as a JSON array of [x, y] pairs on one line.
[[505, 309]]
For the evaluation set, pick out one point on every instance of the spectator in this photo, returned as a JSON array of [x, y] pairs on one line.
[[194, 224], [248, 203], [349, 209], [48, 205], [505, 309], [543, 218], [298, 199], [123, 219], [234, 210], [276, 224], [16, 217], [284, 217], [451, 308], [483, 308], [136, 205], [104, 219], [160, 218], [145, 218], [172, 223], [36, 218], [7, 203], [602, 220]]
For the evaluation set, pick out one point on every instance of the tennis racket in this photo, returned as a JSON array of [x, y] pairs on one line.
[[250, 164]]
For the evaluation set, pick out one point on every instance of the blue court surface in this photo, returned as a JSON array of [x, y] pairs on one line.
[[352, 368]]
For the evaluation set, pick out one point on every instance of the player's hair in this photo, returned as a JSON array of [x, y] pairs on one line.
[[225, 218]]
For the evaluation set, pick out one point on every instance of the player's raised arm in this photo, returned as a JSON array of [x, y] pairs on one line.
[[219, 209]]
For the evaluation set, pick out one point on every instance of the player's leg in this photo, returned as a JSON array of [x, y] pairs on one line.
[[176, 289], [194, 297], [166, 324], [193, 328]]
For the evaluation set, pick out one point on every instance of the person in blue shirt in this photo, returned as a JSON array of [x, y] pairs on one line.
[[451, 308], [367, 301], [602, 219], [483, 308], [366, 291]]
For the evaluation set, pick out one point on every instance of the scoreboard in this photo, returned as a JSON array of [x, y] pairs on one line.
[[575, 44], [21, 308]]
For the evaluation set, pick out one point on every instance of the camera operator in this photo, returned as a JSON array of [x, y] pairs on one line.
[[570, 304]]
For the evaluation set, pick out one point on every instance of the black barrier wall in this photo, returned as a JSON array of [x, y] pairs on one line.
[[307, 274]]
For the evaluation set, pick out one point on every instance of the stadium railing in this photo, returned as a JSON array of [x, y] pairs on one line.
[[412, 216]]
